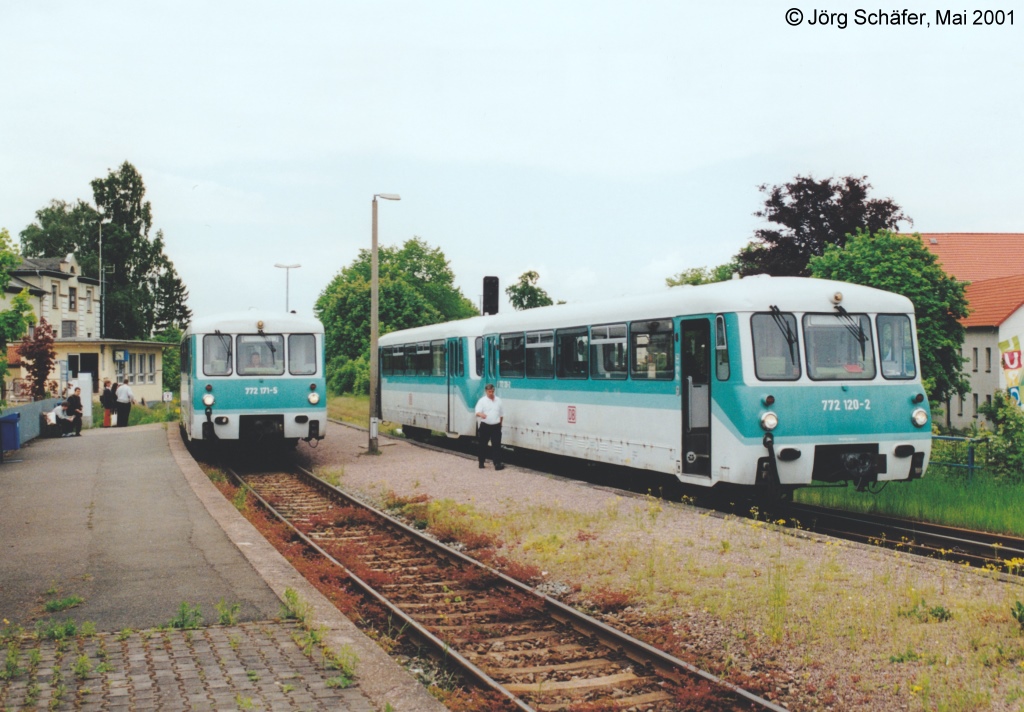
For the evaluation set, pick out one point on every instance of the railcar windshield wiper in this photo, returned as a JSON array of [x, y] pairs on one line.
[[787, 331], [855, 328]]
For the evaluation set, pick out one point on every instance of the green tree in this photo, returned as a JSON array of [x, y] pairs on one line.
[[810, 215], [902, 264], [525, 294], [702, 275], [141, 289], [172, 358], [16, 319], [416, 287]]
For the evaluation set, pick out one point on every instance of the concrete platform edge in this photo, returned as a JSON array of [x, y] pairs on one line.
[[378, 676]]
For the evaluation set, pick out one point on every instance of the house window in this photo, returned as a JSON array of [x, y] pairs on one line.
[[88, 301], [68, 329], [960, 410], [975, 406], [988, 360], [72, 299], [53, 295], [974, 360]]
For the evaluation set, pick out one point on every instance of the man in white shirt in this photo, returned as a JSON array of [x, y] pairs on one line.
[[61, 419], [125, 398], [490, 414]]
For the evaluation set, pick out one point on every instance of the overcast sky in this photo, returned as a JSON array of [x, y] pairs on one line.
[[605, 145]]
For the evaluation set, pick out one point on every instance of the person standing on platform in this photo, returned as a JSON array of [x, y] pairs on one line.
[[74, 410], [125, 398], [108, 401], [490, 415]]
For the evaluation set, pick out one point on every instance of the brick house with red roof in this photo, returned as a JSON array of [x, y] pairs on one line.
[[993, 266]]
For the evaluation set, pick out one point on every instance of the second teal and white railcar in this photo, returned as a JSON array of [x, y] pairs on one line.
[[773, 382]]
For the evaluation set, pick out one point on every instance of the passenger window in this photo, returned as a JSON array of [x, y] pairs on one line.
[[398, 360], [608, 351], [511, 356], [480, 356], [217, 355], [302, 354], [653, 349], [573, 349], [437, 358], [776, 352], [721, 350], [896, 346], [540, 354], [423, 362]]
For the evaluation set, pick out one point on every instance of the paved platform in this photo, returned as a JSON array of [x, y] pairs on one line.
[[123, 519]]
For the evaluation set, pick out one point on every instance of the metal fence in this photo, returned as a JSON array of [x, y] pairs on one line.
[[961, 454]]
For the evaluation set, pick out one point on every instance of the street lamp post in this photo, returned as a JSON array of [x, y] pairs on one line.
[[287, 271], [374, 327]]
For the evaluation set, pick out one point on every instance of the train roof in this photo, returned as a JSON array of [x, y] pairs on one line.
[[274, 322], [750, 294]]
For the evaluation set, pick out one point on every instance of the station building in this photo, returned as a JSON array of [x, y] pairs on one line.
[[71, 302], [993, 266]]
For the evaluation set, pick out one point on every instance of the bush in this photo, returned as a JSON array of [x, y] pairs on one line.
[[348, 376], [1006, 444]]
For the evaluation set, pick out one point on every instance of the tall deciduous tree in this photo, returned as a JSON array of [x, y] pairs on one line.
[[702, 275], [903, 265], [808, 215], [416, 287], [37, 350], [142, 291], [525, 294]]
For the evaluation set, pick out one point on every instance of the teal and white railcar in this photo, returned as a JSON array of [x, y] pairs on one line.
[[255, 377], [764, 381]]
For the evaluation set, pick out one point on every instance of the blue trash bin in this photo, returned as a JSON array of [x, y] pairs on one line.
[[10, 431]]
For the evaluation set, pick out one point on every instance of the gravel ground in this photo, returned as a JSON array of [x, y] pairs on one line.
[[818, 623]]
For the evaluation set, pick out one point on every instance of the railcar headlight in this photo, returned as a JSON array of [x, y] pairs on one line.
[[313, 398], [919, 417], [207, 399], [769, 421]]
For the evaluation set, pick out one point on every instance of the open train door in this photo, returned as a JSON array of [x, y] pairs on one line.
[[695, 349], [456, 373]]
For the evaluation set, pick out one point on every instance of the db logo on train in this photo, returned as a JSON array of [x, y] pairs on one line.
[[572, 415]]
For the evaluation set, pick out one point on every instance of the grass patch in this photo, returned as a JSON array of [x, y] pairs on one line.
[[356, 411], [62, 604], [187, 618], [938, 497]]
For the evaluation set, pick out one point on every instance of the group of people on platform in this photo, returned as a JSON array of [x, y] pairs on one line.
[[116, 398]]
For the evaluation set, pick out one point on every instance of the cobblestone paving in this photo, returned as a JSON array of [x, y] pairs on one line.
[[252, 666]]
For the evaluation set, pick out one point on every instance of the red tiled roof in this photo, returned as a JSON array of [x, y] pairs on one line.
[[976, 256], [994, 300]]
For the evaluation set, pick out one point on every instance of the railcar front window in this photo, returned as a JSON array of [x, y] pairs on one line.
[[839, 347], [608, 351], [653, 348], [540, 354], [511, 356], [896, 345], [302, 354], [260, 355], [217, 355], [776, 352], [573, 348]]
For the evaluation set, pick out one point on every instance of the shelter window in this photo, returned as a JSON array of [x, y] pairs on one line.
[[217, 355], [540, 354], [839, 347], [896, 346], [776, 349], [653, 348], [511, 355], [437, 358], [260, 355], [302, 354], [721, 350], [608, 351], [573, 348]]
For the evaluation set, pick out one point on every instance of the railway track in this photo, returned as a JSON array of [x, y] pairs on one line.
[[981, 549], [534, 652]]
